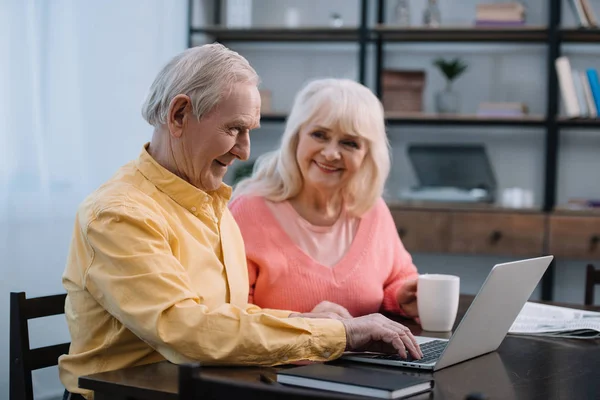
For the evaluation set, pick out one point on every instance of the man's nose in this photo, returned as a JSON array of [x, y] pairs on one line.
[[242, 147]]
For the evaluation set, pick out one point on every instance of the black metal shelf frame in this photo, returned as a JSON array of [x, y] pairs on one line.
[[552, 36]]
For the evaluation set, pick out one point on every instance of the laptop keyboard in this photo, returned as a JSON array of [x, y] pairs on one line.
[[431, 352]]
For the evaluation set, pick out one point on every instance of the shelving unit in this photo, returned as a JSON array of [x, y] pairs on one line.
[[312, 34], [461, 120], [552, 36], [575, 35], [530, 34]]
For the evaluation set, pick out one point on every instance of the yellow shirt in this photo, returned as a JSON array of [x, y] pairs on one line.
[[157, 270]]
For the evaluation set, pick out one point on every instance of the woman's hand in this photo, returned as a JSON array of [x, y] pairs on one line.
[[329, 307], [325, 309], [407, 298]]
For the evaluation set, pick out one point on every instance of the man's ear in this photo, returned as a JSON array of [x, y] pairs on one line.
[[178, 114]]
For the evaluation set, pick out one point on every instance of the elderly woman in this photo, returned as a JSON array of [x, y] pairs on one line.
[[314, 224], [157, 269]]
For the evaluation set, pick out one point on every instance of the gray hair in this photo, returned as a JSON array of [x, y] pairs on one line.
[[206, 74]]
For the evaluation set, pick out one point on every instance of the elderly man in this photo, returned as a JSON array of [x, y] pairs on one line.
[[157, 269]]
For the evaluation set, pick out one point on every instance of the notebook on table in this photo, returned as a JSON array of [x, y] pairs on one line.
[[358, 381]]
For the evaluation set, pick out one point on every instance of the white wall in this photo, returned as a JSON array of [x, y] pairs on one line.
[[97, 60]]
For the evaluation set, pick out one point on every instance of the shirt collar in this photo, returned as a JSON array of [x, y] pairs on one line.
[[182, 192]]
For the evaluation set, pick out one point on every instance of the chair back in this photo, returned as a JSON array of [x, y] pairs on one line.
[[23, 359], [592, 278], [192, 386]]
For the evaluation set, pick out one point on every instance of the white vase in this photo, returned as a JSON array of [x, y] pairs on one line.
[[447, 100]]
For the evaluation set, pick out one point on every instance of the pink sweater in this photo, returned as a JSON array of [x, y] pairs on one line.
[[282, 276]]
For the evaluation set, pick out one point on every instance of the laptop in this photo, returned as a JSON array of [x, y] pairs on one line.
[[451, 173], [487, 321]]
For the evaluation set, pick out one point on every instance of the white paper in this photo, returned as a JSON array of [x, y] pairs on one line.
[[545, 320]]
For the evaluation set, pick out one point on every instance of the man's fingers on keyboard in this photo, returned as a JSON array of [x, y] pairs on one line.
[[391, 336], [408, 339]]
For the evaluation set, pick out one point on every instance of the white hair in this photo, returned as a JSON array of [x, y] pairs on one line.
[[205, 73], [341, 103]]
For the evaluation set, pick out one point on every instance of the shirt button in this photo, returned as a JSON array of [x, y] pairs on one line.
[[193, 209], [326, 354]]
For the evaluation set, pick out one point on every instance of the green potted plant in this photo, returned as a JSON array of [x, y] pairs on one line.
[[447, 101]]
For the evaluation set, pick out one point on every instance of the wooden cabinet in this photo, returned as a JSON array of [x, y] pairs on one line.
[[423, 231], [490, 230], [478, 230], [497, 233], [574, 236]]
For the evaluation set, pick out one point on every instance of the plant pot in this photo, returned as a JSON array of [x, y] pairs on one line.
[[447, 101]]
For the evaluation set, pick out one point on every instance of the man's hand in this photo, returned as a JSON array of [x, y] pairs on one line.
[[377, 333], [407, 298]]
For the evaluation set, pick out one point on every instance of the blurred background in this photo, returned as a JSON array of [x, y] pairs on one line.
[[453, 74]]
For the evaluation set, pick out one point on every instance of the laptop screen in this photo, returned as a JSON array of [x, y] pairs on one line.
[[460, 166]]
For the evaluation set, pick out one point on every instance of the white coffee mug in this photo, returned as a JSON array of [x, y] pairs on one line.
[[437, 301]]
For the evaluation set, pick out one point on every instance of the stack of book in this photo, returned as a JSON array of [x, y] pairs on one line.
[[584, 13], [500, 14], [580, 90], [502, 109]]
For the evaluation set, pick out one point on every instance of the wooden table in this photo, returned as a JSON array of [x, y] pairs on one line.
[[522, 368]]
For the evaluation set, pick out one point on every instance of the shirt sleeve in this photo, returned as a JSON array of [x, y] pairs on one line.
[[135, 277], [403, 268]]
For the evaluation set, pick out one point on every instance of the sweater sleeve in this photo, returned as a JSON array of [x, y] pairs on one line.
[[252, 275], [403, 268]]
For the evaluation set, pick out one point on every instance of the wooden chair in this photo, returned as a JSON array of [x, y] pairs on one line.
[[193, 387], [23, 359], [592, 278]]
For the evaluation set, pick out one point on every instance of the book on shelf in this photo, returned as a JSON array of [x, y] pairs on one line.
[[584, 13], [580, 16], [578, 84], [358, 381], [589, 12], [579, 90], [553, 321], [502, 109], [592, 76], [583, 204], [587, 93], [508, 14]]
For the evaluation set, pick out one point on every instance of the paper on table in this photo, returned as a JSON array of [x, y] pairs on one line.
[[545, 320]]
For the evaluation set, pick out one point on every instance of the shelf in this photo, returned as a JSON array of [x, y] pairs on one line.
[[531, 34], [417, 205], [277, 34], [580, 35], [579, 122], [460, 120], [273, 117], [395, 118], [565, 209]]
